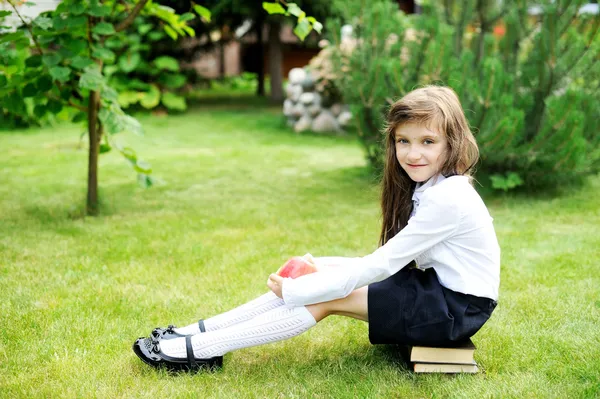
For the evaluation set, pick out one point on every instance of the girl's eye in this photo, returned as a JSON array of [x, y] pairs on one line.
[[402, 141], [428, 141]]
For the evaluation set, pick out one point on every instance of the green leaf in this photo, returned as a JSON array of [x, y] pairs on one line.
[[132, 125], [128, 97], [34, 61], [51, 59], [40, 110], [60, 73], [142, 167], [203, 12], [5, 13], [92, 79], [81, 62], [151, 98], [128, 62], [173, 81], [75, 22], [65, 94], [80, 117], [58, 22], [273, 8], [43, 22], [29, 90], [316, 24], [97, 10], [44, 83], [171, 32], [294, 9], [155, 35], [104, 148], [76, 45], [167, 63], [302, 29], [104, 28], [12, 37], [104, 54], [173, 101], [109, 94], [65, 53], [188, 16], [145, 28], [3, 81], [54, 106], [77, 8], [145, 180]]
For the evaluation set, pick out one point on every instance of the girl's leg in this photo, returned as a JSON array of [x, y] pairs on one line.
[[275, 325], [263, 304], [242, 313], [354, 305]]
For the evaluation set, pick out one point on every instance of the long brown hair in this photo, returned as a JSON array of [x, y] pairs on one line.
[[437, 108]]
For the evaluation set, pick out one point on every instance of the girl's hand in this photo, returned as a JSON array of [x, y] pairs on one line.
[[275, 284]]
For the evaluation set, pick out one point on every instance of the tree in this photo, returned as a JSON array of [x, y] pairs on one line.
[[64, 73]]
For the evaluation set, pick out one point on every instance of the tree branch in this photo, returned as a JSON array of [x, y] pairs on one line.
[[134, 13], [28, 26]]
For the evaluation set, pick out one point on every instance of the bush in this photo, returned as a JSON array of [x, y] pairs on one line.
[[531, 95]]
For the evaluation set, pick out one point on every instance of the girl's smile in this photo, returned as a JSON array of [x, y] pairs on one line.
[[420, 151]]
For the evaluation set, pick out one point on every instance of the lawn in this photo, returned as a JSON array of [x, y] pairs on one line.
[[238, 194]]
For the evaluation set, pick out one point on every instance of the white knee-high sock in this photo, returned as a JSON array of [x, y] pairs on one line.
[[275, 325], [247, 311]]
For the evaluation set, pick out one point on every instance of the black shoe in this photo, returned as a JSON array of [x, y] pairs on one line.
[[161, 333], [149, 352]]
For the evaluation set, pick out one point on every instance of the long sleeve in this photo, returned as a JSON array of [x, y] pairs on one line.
[[437, 219]]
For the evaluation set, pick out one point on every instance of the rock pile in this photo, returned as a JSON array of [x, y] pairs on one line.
[[306, 109]]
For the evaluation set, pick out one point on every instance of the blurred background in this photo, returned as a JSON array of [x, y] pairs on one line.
[[526, 71]]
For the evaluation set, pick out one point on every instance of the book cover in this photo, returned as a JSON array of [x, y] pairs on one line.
[[461, 353], [445, 368]]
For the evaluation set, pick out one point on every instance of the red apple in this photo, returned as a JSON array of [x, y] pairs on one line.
[[296, 267]]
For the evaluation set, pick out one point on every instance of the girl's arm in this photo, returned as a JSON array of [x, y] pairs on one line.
[[437, 220]]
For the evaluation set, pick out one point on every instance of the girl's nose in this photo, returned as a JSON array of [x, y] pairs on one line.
[[413, 155]]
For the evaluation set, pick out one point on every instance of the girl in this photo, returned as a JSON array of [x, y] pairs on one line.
[[433, 281]]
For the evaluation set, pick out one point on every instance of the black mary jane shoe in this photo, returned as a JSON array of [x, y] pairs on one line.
[[161, 333], [149, 352]]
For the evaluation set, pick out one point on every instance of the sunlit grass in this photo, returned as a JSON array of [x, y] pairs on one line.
[[237, 195]]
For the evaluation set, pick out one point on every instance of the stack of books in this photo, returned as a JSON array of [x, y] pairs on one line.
[[455, 359]]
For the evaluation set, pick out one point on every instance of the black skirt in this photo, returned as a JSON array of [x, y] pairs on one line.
[[413, 308]]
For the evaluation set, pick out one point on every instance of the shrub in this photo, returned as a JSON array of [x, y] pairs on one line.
[[531, 94]]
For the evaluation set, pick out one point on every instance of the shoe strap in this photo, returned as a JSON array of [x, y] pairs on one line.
[[190, 352], [201, 325]]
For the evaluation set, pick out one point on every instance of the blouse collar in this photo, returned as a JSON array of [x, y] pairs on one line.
[[421, 187]]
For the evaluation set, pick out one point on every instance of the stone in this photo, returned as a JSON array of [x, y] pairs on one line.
[[344, 118], [296, 76], [288, 107], [295, 92], [298, 110], [307, 98], [308, 84], [303, 124], [325, 122], [314, 109], [336, 109]]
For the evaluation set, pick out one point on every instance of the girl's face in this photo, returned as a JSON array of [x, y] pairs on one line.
[[421, 152]]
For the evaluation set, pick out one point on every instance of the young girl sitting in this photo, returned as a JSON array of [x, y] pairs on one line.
[[433, 281]]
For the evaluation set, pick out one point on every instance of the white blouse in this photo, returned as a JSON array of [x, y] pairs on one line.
[[450, 230]]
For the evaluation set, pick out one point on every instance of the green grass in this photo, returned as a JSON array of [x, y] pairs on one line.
[[238, 195]]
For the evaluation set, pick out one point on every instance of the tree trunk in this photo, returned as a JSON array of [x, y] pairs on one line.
[[260, 77], [275, 62], [94, 141], [222, 59]]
